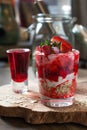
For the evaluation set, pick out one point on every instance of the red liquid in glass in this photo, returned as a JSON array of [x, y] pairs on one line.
[[18, 60]]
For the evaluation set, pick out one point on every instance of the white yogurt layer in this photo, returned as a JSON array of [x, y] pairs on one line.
[[50, 84]]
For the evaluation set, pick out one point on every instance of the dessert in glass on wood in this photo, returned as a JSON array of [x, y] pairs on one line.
[[57, 67]]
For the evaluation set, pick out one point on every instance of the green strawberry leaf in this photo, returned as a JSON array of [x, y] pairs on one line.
[[41, 44], [56, 44], [47, 42]]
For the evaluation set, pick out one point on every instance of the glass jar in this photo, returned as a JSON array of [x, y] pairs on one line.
[[47, 25]]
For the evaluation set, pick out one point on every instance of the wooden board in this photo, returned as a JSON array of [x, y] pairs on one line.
[[29, 107]]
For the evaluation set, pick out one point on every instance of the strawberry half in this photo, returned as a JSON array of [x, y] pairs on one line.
[[65, 46]]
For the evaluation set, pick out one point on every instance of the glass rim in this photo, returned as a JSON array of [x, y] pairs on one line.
[[51, 17], [76, 50], [60, 16], [15, 49]]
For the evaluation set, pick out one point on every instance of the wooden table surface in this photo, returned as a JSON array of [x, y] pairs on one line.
[[17, 123]]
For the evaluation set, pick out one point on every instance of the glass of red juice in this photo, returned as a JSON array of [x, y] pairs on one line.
[[18, 60], [57, 69]]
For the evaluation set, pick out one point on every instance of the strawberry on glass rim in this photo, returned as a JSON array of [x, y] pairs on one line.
[[65, 46]]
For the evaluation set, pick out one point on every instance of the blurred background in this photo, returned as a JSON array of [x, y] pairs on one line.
[[17, 28]]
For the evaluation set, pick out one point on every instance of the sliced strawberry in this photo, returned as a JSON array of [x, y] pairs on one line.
[[56, 39], [65, 46]]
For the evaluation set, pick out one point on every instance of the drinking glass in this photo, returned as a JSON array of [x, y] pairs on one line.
[[57, 74], [19, 61]]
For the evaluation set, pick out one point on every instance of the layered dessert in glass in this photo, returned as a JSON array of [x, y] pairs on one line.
[[57, 67]]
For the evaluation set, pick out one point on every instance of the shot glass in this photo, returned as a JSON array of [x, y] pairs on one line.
[[57, 74], [18, 60]]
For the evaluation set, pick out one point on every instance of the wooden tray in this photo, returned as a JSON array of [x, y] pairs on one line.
[[29, 107]]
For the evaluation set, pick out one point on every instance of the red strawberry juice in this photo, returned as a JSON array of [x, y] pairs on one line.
[[19, 60]]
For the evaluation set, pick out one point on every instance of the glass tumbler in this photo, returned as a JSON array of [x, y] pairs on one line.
[[57, 74], [18, 60]]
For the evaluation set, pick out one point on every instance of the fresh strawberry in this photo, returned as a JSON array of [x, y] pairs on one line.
[[46, 49], [65, 46], [56, 39]]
